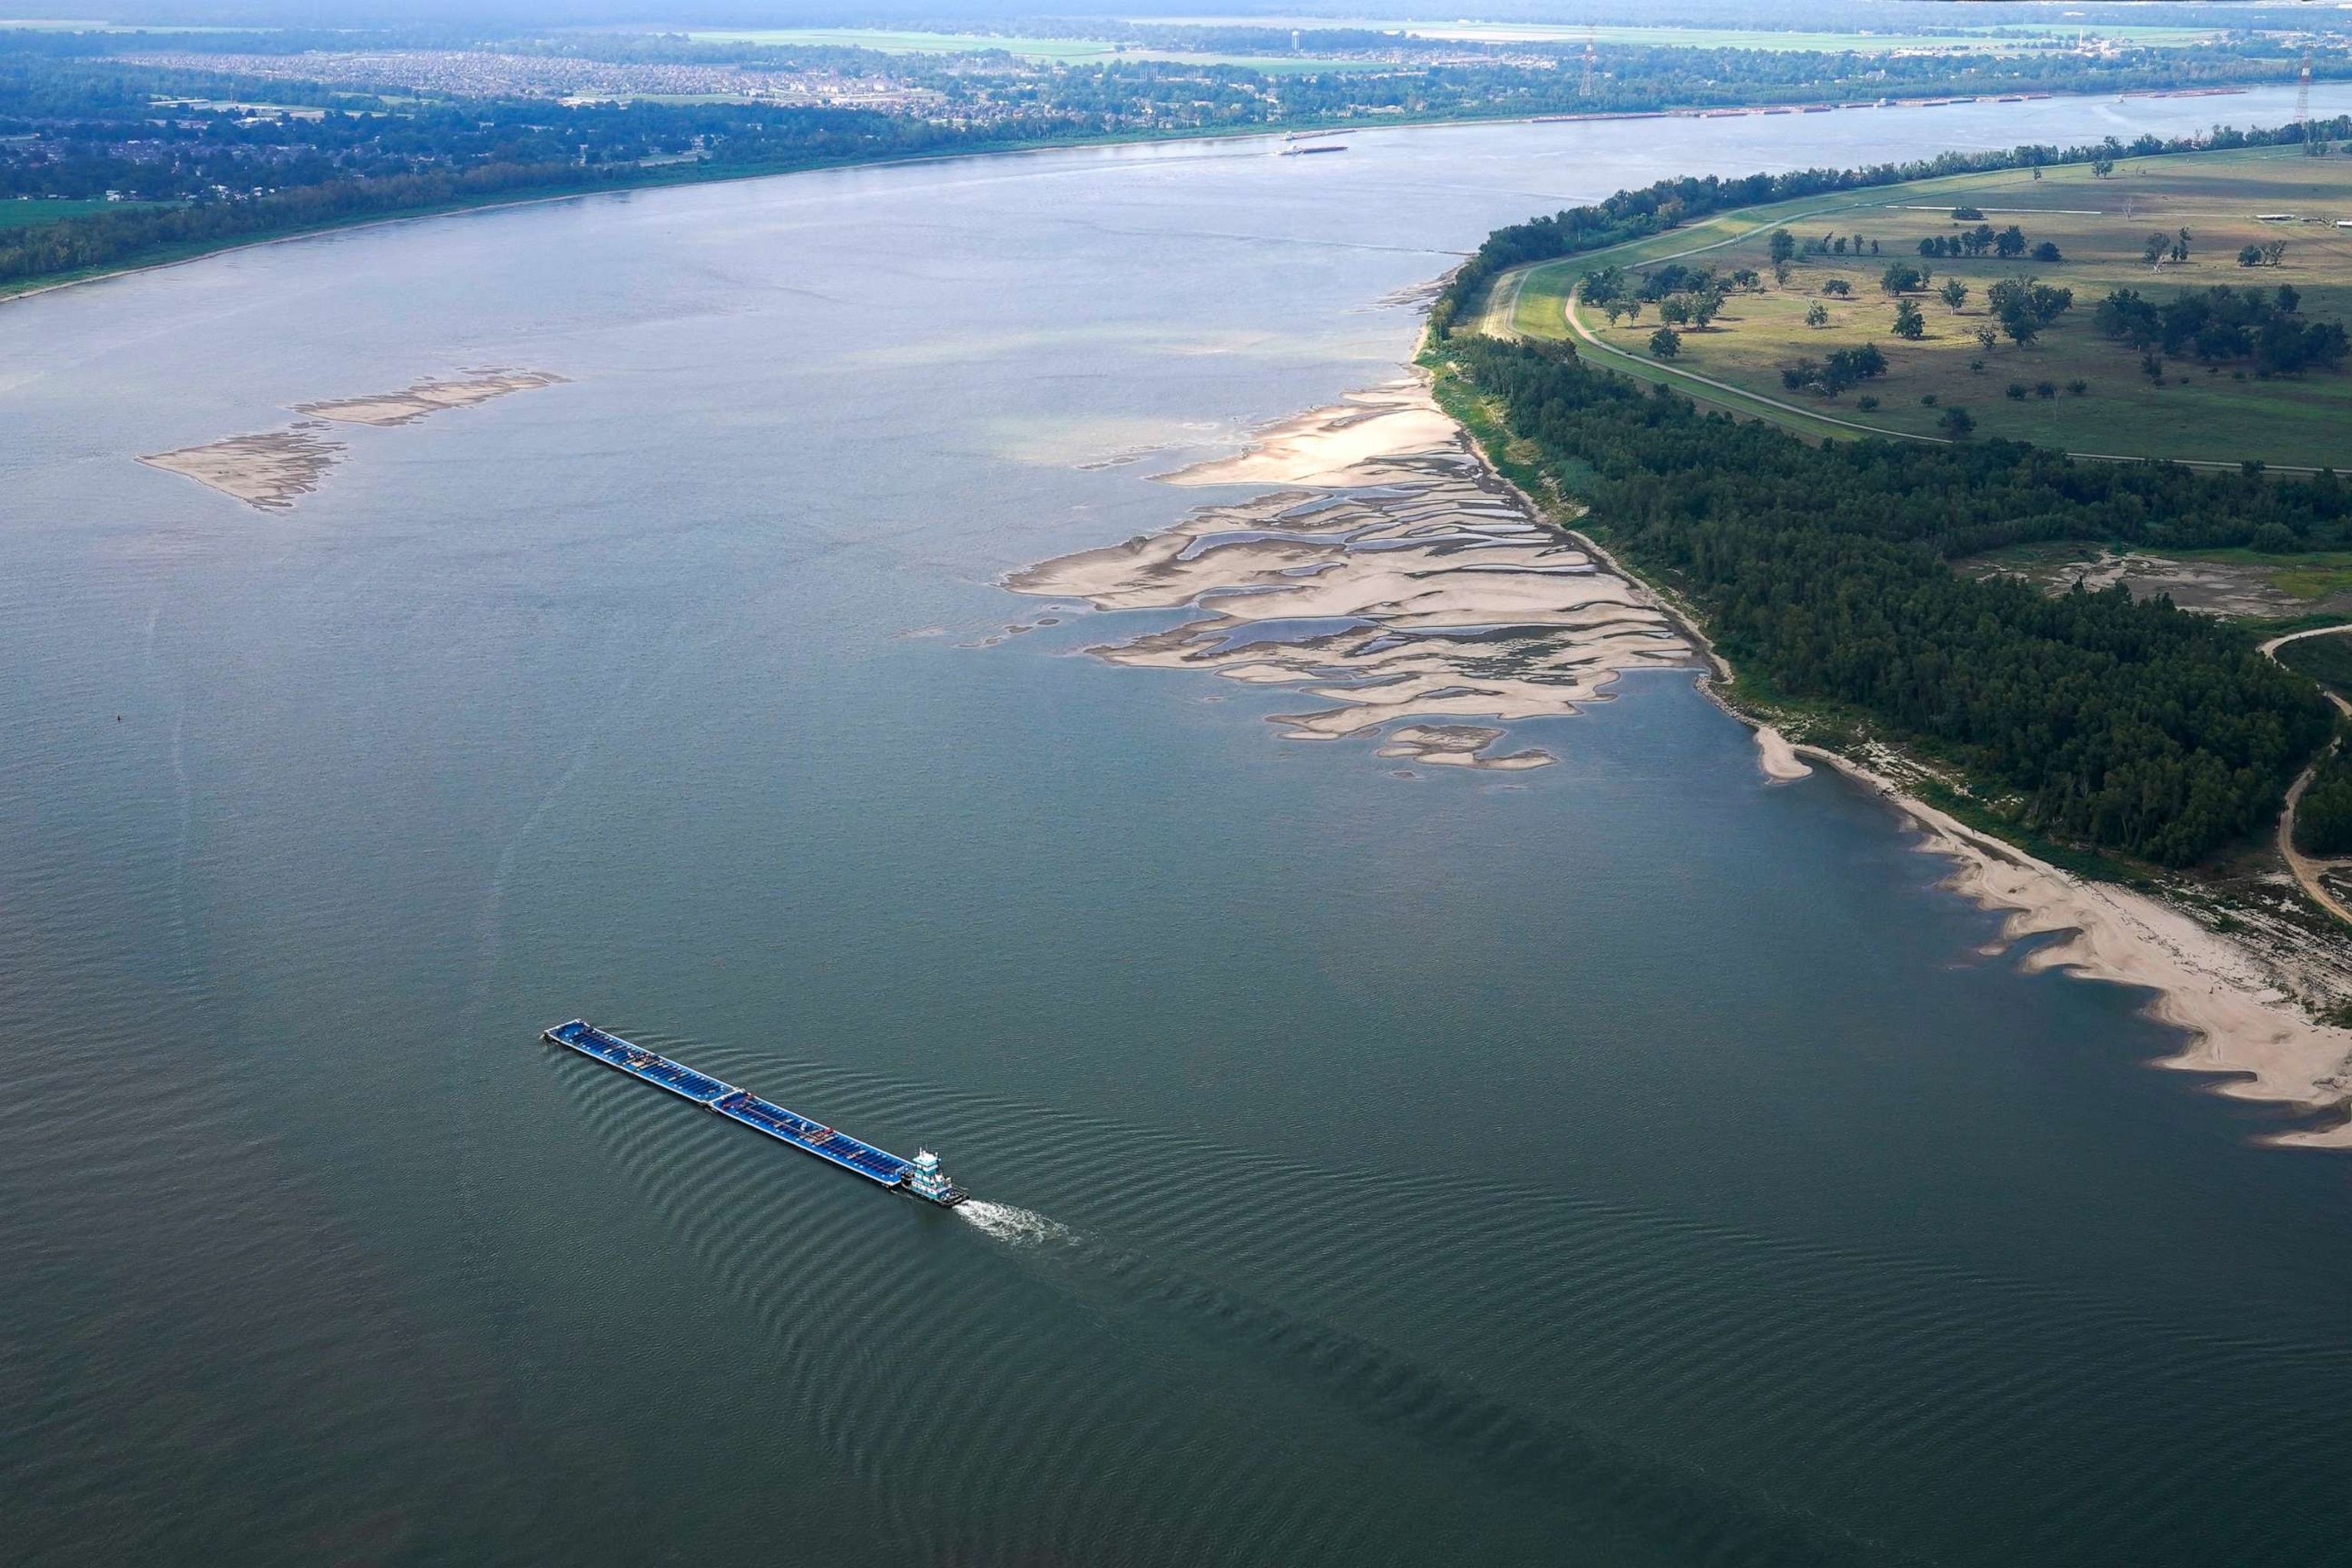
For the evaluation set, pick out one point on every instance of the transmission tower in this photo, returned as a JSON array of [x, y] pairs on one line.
[[1586, 88], [2303, 105]]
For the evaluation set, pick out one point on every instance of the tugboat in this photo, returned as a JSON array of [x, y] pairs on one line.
[[925, 1180]]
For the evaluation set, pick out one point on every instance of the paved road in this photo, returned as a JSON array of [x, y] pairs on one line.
[[2306, 870]]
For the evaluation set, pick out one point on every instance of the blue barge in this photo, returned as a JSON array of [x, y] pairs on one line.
[[918, 1177]]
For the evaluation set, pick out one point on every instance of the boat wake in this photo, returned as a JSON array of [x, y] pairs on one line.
[[1018, 1226]]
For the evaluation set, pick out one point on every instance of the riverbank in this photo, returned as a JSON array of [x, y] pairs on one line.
[[2251, 1012]]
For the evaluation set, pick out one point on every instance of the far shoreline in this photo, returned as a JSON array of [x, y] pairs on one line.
[[11, 293]]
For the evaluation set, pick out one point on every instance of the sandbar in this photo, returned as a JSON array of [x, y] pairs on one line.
[[268, 471], [1391, 575], [427, 397]]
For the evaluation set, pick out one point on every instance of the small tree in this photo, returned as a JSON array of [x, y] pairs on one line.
[[1674, 311], [1838, 288], [2010, 242], [1633, 311], [2153, 251], [1614, 309], [1954, 294], [2102, 167], [1902, 276], [2078, 387], [2021, 327], [2180, 246], [2274, 252], [1666, 342], [1986, 338], [2152, 368], [1781, 247], [1957, 422], [2048, 251], [2250, 255], [1909, 324], [1817, 314], [1780, 272]]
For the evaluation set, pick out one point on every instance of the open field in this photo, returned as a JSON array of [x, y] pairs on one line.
[[2242, 585], [18, 215], [1070, 51], [2223, 413]]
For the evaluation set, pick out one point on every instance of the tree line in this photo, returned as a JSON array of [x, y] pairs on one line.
[[1823, 570], [2221, 324]]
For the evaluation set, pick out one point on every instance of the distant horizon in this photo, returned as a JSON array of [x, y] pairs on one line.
[[496, 15]]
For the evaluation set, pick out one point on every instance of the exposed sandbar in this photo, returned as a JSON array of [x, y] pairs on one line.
[[1394, 577], [427, 397], [268, 471], [1457, 747]]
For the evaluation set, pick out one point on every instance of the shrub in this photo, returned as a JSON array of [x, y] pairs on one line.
[[2016, 390]]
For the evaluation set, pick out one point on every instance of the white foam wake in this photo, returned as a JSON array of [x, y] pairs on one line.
[[1018, 1226]]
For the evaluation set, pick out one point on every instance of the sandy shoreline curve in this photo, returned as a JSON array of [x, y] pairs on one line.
[[2240, 1006]]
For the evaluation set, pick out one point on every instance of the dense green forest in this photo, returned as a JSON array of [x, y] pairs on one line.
[[1823, 570]]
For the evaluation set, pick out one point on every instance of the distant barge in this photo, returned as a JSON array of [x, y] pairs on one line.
[[920, 1177]]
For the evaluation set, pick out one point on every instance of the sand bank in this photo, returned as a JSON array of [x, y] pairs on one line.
[[271, 470], [427, 397], [1393, 577], [2240, 1004], [268, 471]]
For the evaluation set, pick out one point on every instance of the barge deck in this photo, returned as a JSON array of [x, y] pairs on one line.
[[920, 1177]]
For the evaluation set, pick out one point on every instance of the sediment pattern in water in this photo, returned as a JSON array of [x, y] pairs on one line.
[[1393, 575]]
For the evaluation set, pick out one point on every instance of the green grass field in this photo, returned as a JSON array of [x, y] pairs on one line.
[[2099, 225], [1073, 51], [18, 215]]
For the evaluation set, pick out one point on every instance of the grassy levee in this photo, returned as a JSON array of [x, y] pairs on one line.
[[2101, 227]]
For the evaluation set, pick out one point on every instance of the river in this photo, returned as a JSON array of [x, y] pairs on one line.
[[1622, 1162]]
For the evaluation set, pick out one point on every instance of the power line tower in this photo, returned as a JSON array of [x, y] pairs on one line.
[[1585, 89], [2311, 148]]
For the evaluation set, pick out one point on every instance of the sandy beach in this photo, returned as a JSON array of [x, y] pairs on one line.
[[2242, 1004], [1390, 575]]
